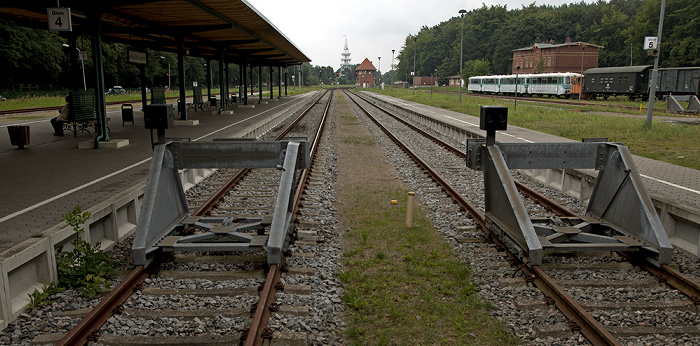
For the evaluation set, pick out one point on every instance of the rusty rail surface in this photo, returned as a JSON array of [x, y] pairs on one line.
[[258, 328]]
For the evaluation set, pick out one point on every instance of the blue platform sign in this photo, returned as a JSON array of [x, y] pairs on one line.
[[59, 19]]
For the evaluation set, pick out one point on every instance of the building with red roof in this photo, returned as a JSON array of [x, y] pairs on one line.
[[366, 73]]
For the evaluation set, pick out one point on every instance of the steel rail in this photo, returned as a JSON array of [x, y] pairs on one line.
[[546, 202], [581, 320], [665, 273], [257, 331], [88, 327]]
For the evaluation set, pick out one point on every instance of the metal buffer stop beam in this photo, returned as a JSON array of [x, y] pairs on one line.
[[165, 218], [620, 215]]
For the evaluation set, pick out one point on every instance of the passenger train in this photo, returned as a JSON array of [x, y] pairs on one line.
[[630, 81], [562, 84]]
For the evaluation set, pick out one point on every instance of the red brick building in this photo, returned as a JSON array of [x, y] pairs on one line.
[[425, 81], [365, 74], [556, 57]]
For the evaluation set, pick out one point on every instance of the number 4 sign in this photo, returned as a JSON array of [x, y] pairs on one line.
[[59, 19]]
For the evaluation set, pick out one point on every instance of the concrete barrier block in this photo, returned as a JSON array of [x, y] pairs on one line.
[[26, 268]]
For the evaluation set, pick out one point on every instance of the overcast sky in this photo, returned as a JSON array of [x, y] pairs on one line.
[[372, 27]]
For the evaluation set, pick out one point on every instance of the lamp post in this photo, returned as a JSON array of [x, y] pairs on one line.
[[517, 70], [655, 71], [82, 63], [379, 64], [583, 53], [162, 57], [415, 45], [461, 42], [392, 70]]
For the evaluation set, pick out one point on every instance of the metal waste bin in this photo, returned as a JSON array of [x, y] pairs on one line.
[[212, 101], [19, 135], [127, 114]]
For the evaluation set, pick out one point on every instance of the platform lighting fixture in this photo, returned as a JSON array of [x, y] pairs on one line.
[[415, 47], [392, 69], [162, 57], [461, 42], [379, 64], [583, 53]]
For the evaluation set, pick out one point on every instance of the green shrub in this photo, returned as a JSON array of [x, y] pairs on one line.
[[86, 267]]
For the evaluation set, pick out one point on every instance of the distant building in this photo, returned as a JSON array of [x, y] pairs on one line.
[[453, 81], [556, 57], [425, 81], [365, 74]]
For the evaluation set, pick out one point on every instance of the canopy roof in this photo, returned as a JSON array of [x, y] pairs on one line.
[[207, 28]]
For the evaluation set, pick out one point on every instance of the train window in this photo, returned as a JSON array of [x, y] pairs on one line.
[[567, 80]]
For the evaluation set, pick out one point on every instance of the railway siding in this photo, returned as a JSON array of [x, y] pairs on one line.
[[677, 203]]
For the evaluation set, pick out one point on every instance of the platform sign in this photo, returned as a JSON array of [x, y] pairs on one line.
[[194, 83], [651, 43], [59, 19], [136, 57]]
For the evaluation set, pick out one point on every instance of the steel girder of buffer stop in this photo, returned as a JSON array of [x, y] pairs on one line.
[[165, 215], [620, 214]]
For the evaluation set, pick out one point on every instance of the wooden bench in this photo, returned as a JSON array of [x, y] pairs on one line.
[[83, 113]]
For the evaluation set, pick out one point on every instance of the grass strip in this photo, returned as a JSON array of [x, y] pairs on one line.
[[404, 286]]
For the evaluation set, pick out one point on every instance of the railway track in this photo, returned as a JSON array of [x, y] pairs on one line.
[[213, 297], [172, 303], [582, 288]]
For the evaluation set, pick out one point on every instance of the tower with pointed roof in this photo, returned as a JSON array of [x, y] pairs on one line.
[[345, 60]]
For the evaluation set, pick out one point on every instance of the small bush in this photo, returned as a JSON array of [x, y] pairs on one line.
[[86, 267], [37, 297]]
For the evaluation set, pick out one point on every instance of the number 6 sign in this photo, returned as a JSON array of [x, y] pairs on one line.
[[59, 19]]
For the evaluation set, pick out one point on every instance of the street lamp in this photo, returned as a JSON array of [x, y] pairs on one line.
[[415, 45], [380, 69], [392, 70], [517, 70], [162, 57], [461, 42], [82, 62], [583, 53]]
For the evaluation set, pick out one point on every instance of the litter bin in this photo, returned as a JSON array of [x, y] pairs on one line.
[[127, 114], [212, 101], [19, 135]]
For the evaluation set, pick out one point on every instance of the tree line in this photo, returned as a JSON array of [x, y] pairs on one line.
[[37, 59], [492, 33]]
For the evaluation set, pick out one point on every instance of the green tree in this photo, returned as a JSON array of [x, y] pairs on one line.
[[480, 67]]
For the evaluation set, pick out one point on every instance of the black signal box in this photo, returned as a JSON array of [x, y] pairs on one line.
[[158, 116], [493, 118]]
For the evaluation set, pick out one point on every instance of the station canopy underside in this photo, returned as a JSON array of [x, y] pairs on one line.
[[208, 29]]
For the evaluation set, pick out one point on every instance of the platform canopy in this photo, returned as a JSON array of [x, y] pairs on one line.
[[206, 28]]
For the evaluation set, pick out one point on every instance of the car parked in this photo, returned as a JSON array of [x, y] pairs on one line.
[[116, 90]]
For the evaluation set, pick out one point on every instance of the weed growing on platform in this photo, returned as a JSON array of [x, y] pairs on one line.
[[37, 297], [86, 267]]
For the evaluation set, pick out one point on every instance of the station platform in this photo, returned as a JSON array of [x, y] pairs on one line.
[[48, 178], [675, 190]]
